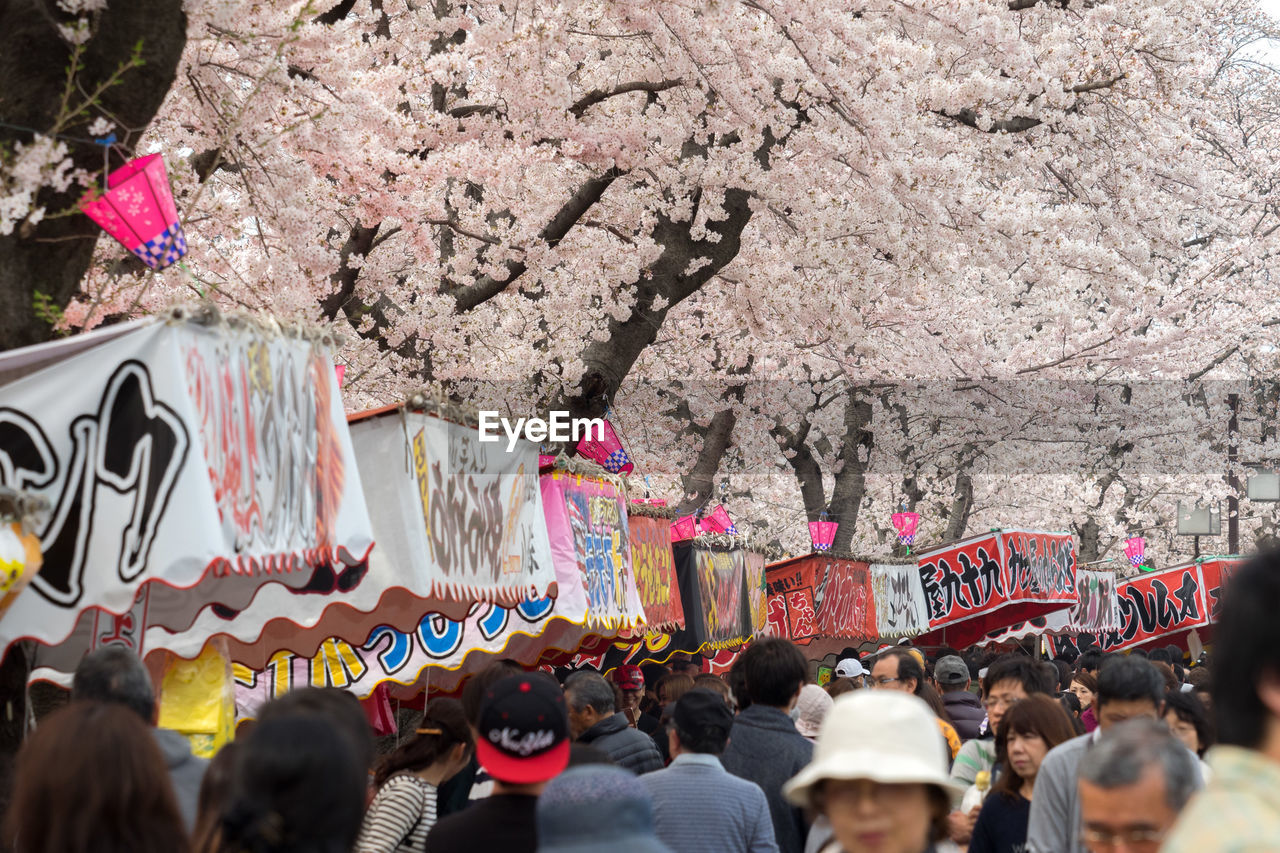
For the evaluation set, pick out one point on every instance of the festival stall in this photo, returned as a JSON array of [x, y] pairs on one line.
[[586, 540], [200, 461], [986, 583], [1097, 609], [458, 522]]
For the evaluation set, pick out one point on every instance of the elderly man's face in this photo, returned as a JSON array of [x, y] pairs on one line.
[[1128, 818]]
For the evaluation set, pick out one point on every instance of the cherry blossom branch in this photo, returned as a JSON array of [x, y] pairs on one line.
[[595, 96]]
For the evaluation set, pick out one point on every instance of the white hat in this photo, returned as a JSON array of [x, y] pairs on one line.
[[811, 710], [849, 668], [883, 735]]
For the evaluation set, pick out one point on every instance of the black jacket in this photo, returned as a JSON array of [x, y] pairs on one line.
[[629, 748], [966, 713]]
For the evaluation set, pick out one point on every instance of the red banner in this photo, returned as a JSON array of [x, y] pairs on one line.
[[1215, 572], [819, 596], [1158, 605], [990, 582], [655, 571]]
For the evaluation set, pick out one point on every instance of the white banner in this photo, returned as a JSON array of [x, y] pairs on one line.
[[901, 610], [178, 456]]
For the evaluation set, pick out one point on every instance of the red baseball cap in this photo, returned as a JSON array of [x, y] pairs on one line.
[[629, 677], [524, 730]]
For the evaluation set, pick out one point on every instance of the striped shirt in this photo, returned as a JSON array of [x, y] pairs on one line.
[[400, 817]]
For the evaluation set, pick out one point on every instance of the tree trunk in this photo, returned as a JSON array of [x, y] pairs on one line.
[[700, 483], [961, 507], [851, 481]]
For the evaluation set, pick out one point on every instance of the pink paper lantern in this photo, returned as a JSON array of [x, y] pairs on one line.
[[1135, 548], [905, 523], [607, 452], [683, 528], [822, 534], [341, 370], [719, 522], [138, 211]]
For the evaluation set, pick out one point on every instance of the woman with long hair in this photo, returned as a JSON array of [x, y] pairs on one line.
[[404, 809], [215, 791], [1029, 729], [1085, 686], [899, 669], [91, 779]]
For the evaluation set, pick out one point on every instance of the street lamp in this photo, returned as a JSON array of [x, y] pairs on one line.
[[1197, 521]]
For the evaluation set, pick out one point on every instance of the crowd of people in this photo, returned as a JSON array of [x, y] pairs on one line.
[[901, 752]]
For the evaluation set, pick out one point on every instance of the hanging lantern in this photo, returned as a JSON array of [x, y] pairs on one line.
[[719, 522], [822, 533], [1135, 548], [905, 523], [683, 528], [607, 452], [138, 211]]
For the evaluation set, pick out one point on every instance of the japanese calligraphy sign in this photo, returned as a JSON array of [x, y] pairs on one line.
[[900, 607], [590, 534], [820, 596], [990, 582], [1098, 607], [719, 611], [655, 571], [207, 460], [455, 516], [1157, 605], [1216, 572]]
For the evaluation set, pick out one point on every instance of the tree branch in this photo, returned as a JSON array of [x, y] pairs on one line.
[[969, 118], [595, 96], [699, 484]]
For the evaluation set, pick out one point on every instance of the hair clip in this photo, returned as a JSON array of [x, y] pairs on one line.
[[429, 731]]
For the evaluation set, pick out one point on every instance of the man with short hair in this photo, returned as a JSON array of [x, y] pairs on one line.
[[1128, 688], [1089, 661], [594, 720], [764, 746], [116, 675], [732, 813], [951, 674], [1133, 785], [1008, 680], [1239, 810], [522, 742]]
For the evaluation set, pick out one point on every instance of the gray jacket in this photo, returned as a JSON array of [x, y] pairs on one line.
[[765, 748], [630, 748], [185, 770]]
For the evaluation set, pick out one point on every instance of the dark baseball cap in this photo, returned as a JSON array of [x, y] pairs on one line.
[[699, 709], [628, 677], [524, 730], [951, 670]]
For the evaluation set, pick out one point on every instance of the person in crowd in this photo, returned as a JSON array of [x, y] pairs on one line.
[[340, 707], [952, 676], [522, 742], [653, 673], [764, 746], [115, 674], [736, 678], [583, 753], [686, 664], [852, 669], [1128, 688], [594, 720], [671, 688], [92, 779], [630, 683], [596, 808], [1064, 672], [837, 687], [1089, 661], [1027, 732], [901, 670], [711, 681], [1201, 680], [298, 787], [1085, 686], [732, 813], [1133, 784], [472, 783], [215, 792], [1165, 669], [404, 809], [811, 709], [878, 778], [1240, 808], [1071, 704], [1189, 721], [1008, 680]]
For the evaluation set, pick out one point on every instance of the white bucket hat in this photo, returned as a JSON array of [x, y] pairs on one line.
[[883, 735]]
